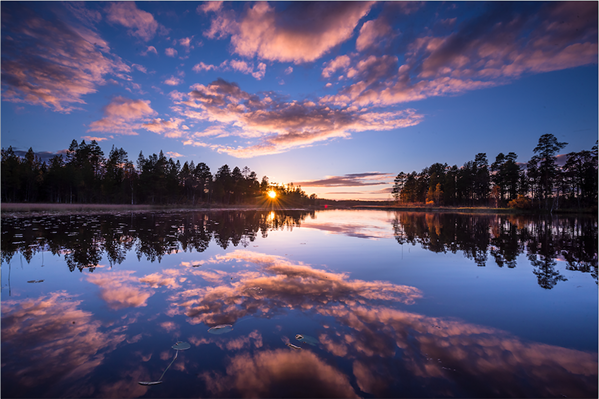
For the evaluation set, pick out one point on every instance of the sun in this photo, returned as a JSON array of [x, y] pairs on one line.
[[272, 194]]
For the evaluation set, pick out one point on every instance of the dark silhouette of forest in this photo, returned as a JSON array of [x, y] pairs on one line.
[[84, 240], [84, 175], [539, 184]]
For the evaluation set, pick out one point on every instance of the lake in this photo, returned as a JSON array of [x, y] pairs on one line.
[[336, 303]]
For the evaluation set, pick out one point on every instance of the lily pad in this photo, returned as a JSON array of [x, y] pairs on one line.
[[181, 346], [221, 329], [306, 339]]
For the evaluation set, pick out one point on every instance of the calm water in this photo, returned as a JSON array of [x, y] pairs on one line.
[[385, 304]]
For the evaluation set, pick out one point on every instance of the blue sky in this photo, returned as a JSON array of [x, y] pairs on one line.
[[338, 97]]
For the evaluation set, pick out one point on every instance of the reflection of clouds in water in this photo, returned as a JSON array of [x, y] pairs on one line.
[[49, 340], [352, 230], [491, 356], [254, 339], [167, 277], [482, 361], [352, 224], [117, 289], [280, 284], [279, 373]]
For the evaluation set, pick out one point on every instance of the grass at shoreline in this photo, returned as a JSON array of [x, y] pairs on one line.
[[35, 209]]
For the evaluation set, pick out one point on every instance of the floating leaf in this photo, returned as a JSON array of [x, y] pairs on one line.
[[221, 329], [293, 346], [181, 346], [307, 339], [150, 383]]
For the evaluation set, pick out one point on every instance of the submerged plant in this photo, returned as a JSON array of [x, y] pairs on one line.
[[179, 346]]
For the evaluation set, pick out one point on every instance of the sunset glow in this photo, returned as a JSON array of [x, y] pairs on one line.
[[272, 195], [337, 97]]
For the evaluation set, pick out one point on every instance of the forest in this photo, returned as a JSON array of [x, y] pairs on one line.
[[541, 183], [84, 175]]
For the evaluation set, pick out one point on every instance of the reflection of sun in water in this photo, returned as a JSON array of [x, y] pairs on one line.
[[272, 194], [271, 216]]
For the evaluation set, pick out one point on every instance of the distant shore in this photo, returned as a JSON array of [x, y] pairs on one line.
[[474, 209], [41, 209]]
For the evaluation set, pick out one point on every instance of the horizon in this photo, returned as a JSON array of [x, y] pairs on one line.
[[335, 97]]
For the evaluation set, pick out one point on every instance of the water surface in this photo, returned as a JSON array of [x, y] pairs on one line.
[[320, 304]]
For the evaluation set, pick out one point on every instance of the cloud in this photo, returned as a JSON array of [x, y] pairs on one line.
[[186, 41], [173, 81], [173, 154], [150, 49], [281, 125], [302, 32], [141, 23], [204, 67], [90, 138], [244, 67], [341, 62], [351, 180], [209, 6], [168, 128], [52, 63], [83, 14], [171, 52], [502, 44], [370, 33], [288, 70], [122, 115]]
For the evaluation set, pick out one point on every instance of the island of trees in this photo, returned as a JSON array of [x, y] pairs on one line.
[[539, 184], [84, 175]]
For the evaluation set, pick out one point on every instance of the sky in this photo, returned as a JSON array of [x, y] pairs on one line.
[[338, 97]]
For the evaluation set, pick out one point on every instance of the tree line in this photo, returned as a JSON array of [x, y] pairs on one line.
[[540, 183], [84, 175]]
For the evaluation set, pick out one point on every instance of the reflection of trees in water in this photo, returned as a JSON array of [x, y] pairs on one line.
[[83, 240], [543, 239]]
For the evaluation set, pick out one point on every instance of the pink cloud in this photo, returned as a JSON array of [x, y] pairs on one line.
[[281, 125], [186, 41], [203, 67], [53, 64], [171, 52], [209, 6], [341, 62], [288, 70], [174, 154], [90, 138], [150, 49], [244, 67], [141, 23], [122, 115], [303, 32], [173, 81], [506, 46], [370, 33], [168, 128]]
